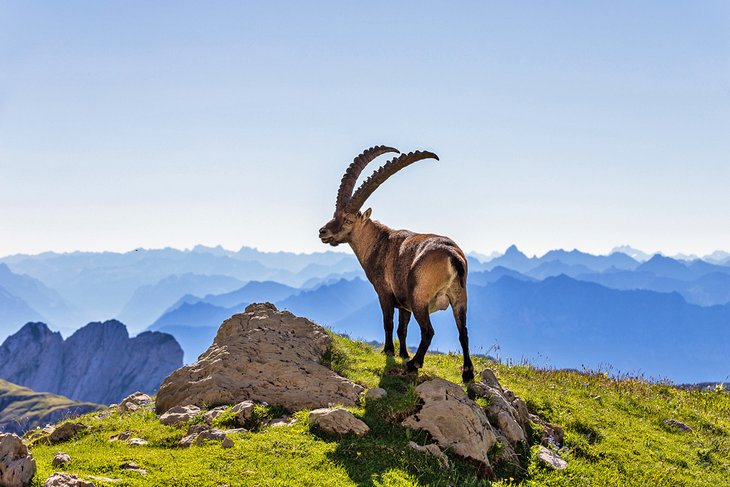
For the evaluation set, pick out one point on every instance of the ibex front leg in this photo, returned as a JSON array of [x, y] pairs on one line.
[[404, 316], [386, 305]]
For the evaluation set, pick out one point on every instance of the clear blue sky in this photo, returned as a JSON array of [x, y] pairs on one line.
[[558, 124]]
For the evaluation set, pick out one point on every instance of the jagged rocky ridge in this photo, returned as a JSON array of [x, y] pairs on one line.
[[99, 363]]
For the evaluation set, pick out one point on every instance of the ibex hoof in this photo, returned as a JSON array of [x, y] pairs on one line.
[[404, 354], [412, 367], [467, 375], [389, 352]]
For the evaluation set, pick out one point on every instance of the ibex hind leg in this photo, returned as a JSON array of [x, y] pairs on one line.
[[424, 321], [458, 306]]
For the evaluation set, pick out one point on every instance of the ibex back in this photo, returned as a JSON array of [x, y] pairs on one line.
[[416, 273]]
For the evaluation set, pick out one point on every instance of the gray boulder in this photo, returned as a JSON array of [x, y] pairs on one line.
[[336, 421], [455, 422], [179, 415], [262, 355]]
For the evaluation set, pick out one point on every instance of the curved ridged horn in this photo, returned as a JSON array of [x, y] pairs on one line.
[[353, 172], [384, 172]]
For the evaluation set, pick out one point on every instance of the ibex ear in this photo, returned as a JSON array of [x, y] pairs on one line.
[[366, 213]]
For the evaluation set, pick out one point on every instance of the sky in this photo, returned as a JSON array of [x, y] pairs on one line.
[[558, 124]]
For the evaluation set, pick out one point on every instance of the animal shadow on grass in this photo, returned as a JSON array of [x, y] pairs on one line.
[[383, 454]]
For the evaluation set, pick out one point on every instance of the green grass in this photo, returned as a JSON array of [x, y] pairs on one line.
[[615, 435]]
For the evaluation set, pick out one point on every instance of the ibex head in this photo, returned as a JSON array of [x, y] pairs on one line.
[[347, 214]]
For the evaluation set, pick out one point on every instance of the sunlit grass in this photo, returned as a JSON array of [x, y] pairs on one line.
[[615, 435]]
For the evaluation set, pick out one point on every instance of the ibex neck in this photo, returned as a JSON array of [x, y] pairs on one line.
[[365, 238]]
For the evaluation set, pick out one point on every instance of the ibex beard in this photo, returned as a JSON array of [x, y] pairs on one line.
[[416, 273]]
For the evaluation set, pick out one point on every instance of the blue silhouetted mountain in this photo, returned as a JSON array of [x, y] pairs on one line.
[[573, 323], [149, 302], [99, 284], [556, 268], [485, 277], [14, 312], [328, 303], [42, 299], [599, 263], [251, 292], [666, 267], [515, 260]]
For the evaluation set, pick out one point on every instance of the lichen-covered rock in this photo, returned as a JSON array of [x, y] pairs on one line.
[[59, 434], [61, 459], [336, 421], [134, 402], [137, 442], [243, 411], [455, 422], [17, 466], [209, 416], [199, 432], [59, 479], [179, 415], [263, 355]]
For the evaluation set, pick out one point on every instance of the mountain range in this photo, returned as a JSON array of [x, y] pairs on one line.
[[188, 293]]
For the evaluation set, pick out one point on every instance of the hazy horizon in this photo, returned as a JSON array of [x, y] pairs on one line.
[[345, 250], [558, 125]]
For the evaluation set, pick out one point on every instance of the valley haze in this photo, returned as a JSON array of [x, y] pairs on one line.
[[627, 312]]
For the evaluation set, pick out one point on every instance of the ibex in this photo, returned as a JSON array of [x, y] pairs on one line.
[[416, 273]]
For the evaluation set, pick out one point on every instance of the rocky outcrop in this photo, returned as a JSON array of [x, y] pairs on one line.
[[17, 467], [22, 409], [497, 435], [455, 422], [99, 363], [134, 402], [263, 355], [336, 421]]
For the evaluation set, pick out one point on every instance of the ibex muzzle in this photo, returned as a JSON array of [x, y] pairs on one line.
[[416, 273]]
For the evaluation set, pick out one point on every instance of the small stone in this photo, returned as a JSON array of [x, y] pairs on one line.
[[123, 436], [677, 424], [243, 411], [61, 459], [179, 415], [209, 416], [133, 467], [282, 421], [551, 459], [65, 432], [134, 401], [489, 378], [431, 449], [235, 431], [375, 393], [337, 421], [227, 443], [137, 442], [59, 479]]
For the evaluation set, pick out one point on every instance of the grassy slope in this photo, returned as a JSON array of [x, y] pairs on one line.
[[21, 407], [615, 435]]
